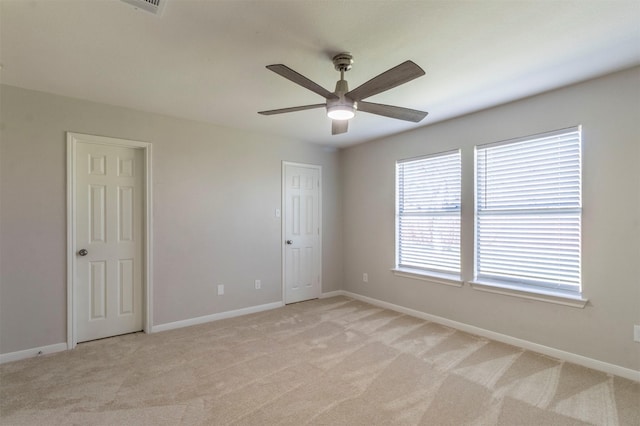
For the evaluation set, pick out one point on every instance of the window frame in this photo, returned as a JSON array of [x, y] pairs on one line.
[[440, 276], [533, 289]]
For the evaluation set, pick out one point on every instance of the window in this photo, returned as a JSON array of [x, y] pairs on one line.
[[528, 212], [428, 213]]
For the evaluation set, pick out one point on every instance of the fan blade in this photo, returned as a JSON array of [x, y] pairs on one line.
[[300, 79], [292, 109], [339, 126], [389, 79], [392, 111]]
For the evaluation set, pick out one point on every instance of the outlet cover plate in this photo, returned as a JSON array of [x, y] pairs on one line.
[[636, 333]]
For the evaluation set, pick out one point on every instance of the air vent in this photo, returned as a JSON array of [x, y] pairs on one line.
[[151, 6]]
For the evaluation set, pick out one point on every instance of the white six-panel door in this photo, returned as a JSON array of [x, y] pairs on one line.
[[109, 227], [302, 252]]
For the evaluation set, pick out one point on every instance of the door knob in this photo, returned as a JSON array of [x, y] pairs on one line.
[[289, 242], [83, 252]]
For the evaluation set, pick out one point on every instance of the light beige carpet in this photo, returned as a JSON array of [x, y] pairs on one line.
[[325, 362]]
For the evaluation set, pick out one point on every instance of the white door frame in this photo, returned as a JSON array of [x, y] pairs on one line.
[[284, 216], [147, 281]]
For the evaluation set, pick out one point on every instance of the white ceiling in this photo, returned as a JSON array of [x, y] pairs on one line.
[[205, 60]]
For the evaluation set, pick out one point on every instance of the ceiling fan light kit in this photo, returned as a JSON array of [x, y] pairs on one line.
[[340, 112], [342, 104]]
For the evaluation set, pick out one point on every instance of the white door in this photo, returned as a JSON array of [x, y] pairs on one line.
[[302, 251], [109, 240]]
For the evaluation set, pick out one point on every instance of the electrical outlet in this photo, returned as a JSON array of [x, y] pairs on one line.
[[220, 289], [636, 333], [365, 278], [258, 284]]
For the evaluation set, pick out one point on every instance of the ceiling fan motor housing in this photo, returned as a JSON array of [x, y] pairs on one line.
[[341, 108]]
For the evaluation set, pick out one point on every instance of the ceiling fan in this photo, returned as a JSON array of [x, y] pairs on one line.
[[343, 103]]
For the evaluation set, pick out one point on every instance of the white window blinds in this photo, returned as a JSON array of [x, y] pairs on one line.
[[529, 211], [428, 213]]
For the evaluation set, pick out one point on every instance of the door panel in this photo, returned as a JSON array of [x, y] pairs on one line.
[[302, 257], [97, 213], [109, 225], [126, 287], [98, 289], [126, 212]]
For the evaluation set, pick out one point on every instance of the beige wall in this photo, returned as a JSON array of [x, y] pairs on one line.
[[609, 110], [215, 191]]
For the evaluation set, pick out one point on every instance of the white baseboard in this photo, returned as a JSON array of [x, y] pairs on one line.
[[546, 350], [33, 352], [215, 317]]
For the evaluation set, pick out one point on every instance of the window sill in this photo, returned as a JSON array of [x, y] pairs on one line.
[[542, 295], [434, 277]]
